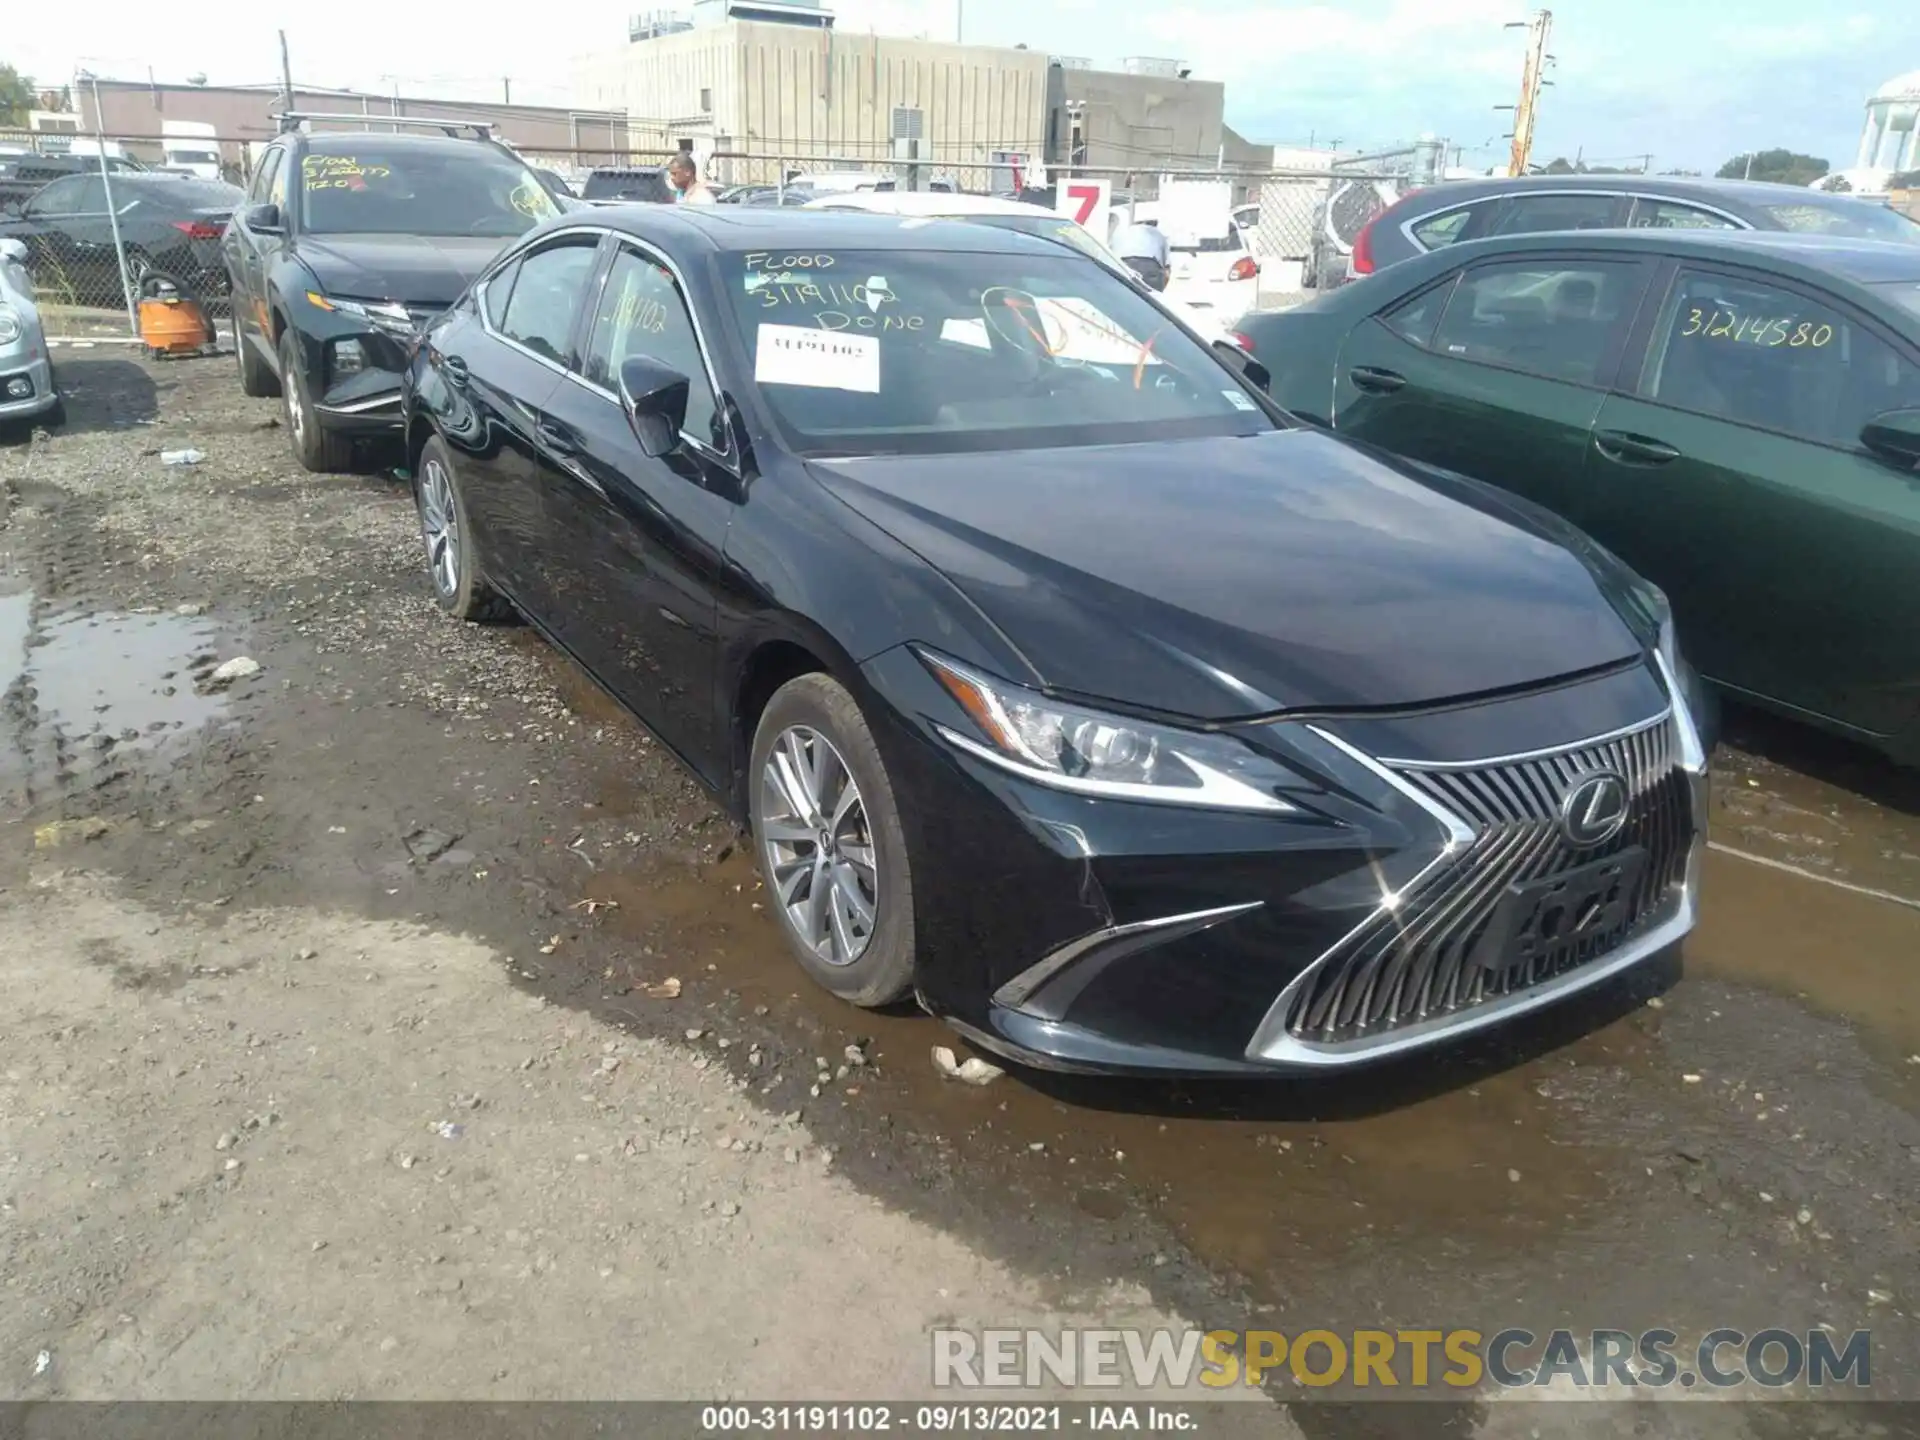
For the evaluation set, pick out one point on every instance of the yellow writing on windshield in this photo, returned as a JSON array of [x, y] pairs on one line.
[[532, 201], [339, 172], [1771, 332]]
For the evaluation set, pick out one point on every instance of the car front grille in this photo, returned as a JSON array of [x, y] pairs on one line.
[[1423, 958]]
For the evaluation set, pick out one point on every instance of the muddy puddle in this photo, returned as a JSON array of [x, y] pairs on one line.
[[83, 691]]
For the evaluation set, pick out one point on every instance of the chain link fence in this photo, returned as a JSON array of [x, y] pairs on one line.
[[96, 232]]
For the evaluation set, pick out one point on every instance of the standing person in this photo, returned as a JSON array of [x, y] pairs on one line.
[[1144, 251], [689, 189]]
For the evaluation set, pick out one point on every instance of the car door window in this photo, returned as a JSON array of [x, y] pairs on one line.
[[1770, 357], [1536, 214], [1651, 214], [642, 312], [60, 198], [1441, 229], [546, 298], [499, 290], [277, 186], [90, 196], [1555, 319], [263, 177], [1413, 320]]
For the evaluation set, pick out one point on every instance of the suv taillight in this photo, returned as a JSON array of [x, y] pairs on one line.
[[1245, 268], [1361, 261], [199, 229]]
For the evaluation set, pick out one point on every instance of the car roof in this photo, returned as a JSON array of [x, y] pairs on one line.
[[1751, 195], [924, 202], [1866, 261], [738, 228], [353, 142]]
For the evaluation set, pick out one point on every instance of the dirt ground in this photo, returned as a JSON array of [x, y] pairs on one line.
[[397, 1021]]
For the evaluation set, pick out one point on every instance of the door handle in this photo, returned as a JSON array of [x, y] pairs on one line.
[[1375, 380], [1625, 449], [456, 371], [557, 439]]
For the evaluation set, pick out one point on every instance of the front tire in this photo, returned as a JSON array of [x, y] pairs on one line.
[[256, 378], [314, 446], [828, 839], [453, 563]]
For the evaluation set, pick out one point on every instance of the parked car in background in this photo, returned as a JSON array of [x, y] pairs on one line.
[[1030, 219], [776, 195], [1050, 666], [621, 185], [28, 391], [170, 224], [1442, 215], [347, 244], [1735, 414], [1216, 271], [22, 176]]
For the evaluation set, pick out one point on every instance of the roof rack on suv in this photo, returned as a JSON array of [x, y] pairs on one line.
[[480, 129]]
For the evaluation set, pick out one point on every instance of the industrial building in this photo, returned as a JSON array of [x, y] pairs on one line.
[[776, 78]]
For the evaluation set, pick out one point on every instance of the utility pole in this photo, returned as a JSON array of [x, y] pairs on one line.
[[286, 75], [1531, 78], [506, 89]]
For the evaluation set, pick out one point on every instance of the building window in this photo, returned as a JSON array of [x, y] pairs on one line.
[[908, 124], [706, 102]]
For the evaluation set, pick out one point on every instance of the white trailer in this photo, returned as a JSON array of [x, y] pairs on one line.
[[189, 147]]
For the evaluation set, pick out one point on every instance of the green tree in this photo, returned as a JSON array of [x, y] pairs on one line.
[[1783, 167], [16, 96]]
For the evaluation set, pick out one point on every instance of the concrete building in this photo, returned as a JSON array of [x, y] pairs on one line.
[[1149, 115], [243, 115], [774, 78], [1890, 140]]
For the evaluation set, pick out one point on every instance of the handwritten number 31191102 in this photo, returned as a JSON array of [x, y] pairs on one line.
[[1729, 326]]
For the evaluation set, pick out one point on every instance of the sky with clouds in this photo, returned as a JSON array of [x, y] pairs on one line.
[[1689, 81]]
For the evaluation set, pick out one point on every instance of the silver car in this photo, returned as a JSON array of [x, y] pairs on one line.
[[26, 373]]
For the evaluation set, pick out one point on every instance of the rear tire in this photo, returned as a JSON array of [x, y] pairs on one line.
[[256, 377], [314, 446], [835, 865], [453, 562]]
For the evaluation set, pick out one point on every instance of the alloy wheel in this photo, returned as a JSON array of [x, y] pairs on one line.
[[819, 847], [440, 527]]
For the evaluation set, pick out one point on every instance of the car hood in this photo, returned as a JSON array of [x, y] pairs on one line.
[[1223, 578], [412, 269]]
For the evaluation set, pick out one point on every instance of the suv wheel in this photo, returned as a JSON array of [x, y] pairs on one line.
[[255, 378], [314, 446]]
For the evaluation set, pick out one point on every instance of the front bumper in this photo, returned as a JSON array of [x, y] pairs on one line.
[[1154, 939], [364, 401], [37, 371]]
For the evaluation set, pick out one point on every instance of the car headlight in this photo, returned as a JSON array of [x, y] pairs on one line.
[[385, 315], [9, 325], [1088, 752]]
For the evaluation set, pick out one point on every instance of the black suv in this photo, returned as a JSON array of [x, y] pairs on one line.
[[346, 245]]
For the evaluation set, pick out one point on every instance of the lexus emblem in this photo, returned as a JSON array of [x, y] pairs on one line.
[[1594, 809]]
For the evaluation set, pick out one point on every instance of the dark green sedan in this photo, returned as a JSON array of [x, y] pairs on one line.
[[1735, 415]]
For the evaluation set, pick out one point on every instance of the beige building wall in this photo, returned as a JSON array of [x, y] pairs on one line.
[[782, 89]]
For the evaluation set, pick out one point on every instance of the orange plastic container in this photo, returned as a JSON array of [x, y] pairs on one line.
[[173, 326]]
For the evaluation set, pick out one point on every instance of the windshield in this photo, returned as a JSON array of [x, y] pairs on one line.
[[941, 351], [192, 157], [1050, 227], [182, 192], [1861, 220], [457, 190]]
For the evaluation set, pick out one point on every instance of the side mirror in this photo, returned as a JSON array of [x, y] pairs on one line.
[[1257, 375], [264, 218], [14, 250], [656, 400], [1894, 437]]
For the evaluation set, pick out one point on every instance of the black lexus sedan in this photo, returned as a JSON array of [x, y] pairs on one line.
[[1061, 680]]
